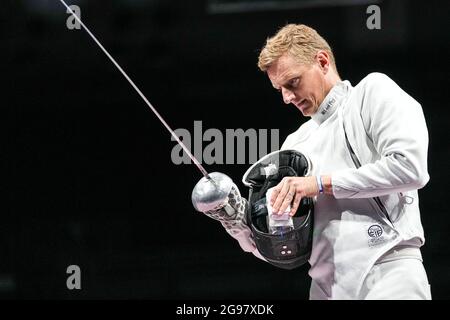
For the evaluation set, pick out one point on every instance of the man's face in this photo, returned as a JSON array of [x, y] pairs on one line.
[[302, 85]]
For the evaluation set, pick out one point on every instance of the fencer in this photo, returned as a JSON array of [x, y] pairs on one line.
[[367, 145]]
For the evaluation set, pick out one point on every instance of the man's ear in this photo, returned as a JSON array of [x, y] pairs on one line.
[[323, 60]]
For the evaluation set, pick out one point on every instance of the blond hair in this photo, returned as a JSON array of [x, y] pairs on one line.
[[301, 41]]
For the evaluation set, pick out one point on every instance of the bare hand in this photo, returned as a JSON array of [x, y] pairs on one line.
[[291, 190]]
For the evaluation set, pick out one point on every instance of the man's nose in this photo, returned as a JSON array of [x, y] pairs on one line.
[[287, 95]]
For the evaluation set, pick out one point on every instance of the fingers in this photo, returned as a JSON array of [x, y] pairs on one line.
[[295, 204], [282, 196], [276, 192], [287, 200]]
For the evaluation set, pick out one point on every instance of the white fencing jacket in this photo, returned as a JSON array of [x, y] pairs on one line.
[[375, 204]]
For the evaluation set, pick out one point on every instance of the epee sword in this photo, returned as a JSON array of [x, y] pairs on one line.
[[196, 162]]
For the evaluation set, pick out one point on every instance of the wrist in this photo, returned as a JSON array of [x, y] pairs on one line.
[[320, 189], [327, 184], [323, 184]]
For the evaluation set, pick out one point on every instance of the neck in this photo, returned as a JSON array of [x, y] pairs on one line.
[[331, 102], [331, 79]]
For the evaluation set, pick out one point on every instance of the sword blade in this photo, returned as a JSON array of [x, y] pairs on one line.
[[196, 162]]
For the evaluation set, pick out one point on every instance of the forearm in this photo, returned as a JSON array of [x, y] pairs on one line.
[[242, 233], [377, 179], [386, 176]]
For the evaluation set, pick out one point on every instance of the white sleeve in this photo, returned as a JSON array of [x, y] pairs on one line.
[[243, 235], [395, 123]]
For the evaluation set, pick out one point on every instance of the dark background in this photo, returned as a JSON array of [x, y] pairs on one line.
[[86, 167]]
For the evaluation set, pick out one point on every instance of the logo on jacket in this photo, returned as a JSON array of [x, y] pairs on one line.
[[328, 105], [375, 231]]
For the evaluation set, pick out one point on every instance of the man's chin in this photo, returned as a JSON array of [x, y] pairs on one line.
[[306, 112], [305, 109]]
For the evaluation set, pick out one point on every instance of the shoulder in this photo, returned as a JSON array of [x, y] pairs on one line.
[[379, 89], [301, 134], [376, 81]]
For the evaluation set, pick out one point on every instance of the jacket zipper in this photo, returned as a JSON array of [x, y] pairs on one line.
[[358, 164]]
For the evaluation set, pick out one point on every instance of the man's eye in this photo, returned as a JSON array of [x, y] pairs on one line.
[[294, 82]]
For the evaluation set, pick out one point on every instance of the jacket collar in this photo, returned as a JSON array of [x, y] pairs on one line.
[[331, 102]]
